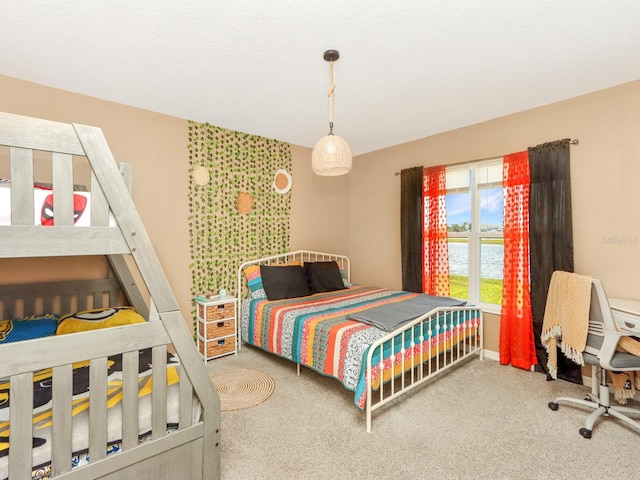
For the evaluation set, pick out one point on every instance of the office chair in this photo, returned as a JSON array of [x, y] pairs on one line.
[[600, 352]]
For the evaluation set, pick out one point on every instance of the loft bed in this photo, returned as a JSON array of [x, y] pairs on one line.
[[149, 409], [377, 342]]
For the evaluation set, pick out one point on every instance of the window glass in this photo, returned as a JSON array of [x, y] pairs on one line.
[[491, 263], [458, 212], [459, 267], [474, 204], [491, 217]]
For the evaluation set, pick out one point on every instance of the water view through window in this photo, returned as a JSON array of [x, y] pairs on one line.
[[491, 269], [491, 257]]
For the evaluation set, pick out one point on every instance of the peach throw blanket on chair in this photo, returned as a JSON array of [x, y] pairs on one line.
[[566, 318]]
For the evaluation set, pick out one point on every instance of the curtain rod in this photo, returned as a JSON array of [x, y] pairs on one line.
[[573, 141]]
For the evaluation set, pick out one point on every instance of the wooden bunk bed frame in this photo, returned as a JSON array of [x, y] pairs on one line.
[[407, 374], [193, 451]]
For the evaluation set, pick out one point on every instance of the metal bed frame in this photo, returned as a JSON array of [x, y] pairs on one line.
[[405, 374]]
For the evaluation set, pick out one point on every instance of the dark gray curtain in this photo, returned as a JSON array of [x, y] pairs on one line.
[[550, 238], [411, 228]]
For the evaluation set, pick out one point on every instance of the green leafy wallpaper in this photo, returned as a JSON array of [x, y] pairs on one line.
[[221, 237]]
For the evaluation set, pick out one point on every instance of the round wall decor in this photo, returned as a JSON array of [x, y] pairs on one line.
[[201, 175], [245, 202], [282, 181]]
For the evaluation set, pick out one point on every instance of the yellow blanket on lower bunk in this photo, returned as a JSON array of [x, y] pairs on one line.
[[42, 411]]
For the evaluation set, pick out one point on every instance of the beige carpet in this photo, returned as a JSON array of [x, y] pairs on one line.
[[242, 388], [482, 421]]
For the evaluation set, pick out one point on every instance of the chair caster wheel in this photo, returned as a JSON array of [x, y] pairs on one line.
[[585, 433], [553, 406]]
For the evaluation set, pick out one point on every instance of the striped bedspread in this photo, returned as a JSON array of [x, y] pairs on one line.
[[315, 331]]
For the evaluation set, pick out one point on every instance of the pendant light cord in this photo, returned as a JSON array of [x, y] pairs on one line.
[[332, 87]]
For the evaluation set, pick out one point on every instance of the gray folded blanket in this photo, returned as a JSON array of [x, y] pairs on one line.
[[390, 316]]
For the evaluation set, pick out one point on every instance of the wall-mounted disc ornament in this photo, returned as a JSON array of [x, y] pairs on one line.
[[282, 181], [245, 202], [201, 175]]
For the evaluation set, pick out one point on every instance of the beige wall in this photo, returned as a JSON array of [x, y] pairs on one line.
[[320, 208], [156, 146], [358, 214], [605, 176]]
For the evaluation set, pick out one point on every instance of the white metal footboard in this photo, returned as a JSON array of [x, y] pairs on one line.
[[426, 347]]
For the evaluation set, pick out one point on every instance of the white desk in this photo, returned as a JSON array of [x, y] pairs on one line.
[[625, 310], [628, 306]]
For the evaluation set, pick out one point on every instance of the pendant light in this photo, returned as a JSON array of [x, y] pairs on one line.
[[331, 155]]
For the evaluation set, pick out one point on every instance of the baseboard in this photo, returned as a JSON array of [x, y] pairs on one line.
[[491, 355]]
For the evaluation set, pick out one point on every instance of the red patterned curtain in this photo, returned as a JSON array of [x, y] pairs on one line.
[[517, 345], [435, 274]]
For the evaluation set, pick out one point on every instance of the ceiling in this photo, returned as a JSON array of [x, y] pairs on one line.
[[407, 69]]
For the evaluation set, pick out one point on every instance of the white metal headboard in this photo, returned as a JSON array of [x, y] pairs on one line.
[[296, 256]]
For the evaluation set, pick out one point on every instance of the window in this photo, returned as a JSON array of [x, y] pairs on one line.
[[475, 231]]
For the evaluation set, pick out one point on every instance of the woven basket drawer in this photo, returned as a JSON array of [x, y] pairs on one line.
[[218, 347], [217, 312], [217, 329]]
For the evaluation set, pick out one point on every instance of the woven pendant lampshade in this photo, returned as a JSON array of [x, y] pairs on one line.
[[331, 155]]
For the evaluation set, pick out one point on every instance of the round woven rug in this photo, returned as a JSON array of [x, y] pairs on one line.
[[242, 388]]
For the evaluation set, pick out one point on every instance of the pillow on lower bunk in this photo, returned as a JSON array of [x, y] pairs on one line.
[[98, 318], [282, 282], [28, 328], [324, 276]]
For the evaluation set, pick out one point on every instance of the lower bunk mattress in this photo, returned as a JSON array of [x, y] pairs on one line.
[[42, 411], [320, 331]]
